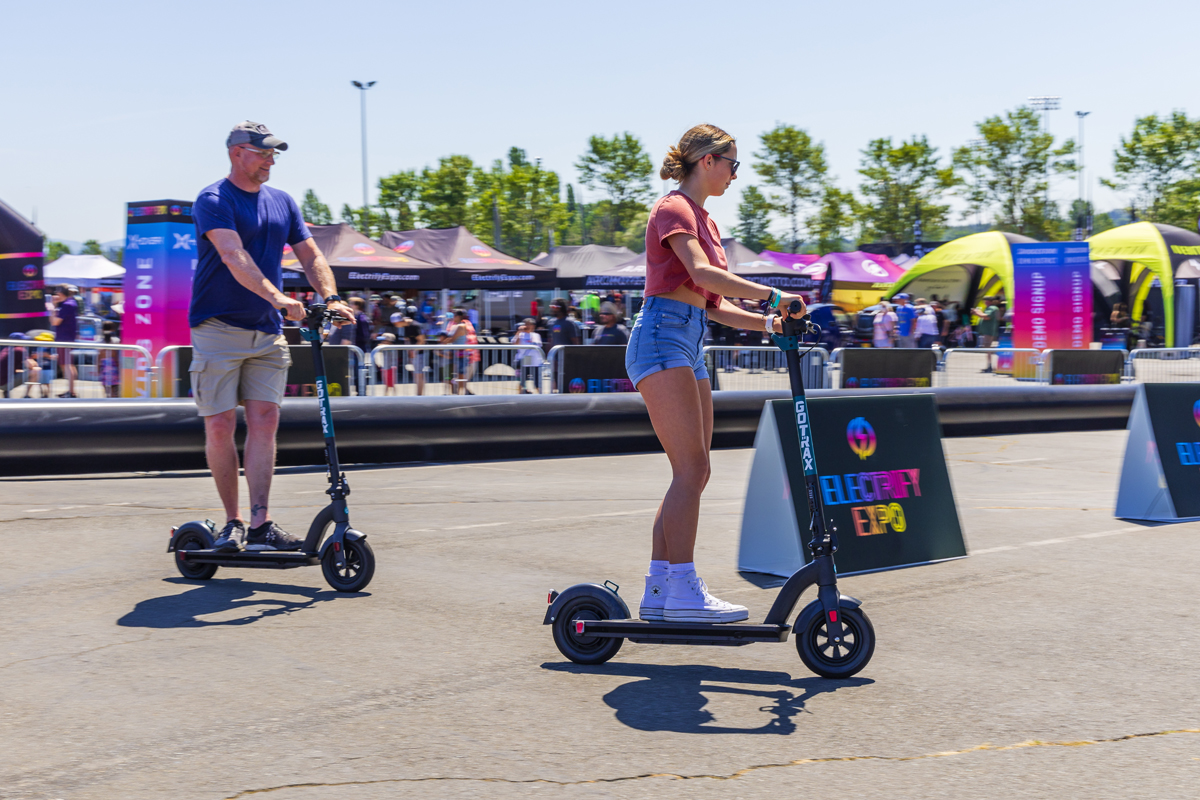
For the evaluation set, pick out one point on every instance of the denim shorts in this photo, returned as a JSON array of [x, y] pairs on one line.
[[667, 334]]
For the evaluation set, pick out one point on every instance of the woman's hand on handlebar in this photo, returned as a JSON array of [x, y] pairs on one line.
[[785, 301]]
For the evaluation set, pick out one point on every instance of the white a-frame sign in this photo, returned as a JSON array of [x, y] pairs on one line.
[[1160, 477]]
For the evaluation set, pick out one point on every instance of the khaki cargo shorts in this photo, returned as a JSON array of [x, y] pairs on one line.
[[231, 365]]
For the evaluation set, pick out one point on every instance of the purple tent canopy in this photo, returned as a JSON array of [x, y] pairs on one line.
[[856, 267]]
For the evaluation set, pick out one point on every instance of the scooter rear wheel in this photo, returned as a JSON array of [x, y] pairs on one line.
[[583, 649], [358, 570], [193, 540], [832, 659]]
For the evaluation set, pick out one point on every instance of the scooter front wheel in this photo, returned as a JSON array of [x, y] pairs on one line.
[[837, 659], [581, 648], [357, 571]]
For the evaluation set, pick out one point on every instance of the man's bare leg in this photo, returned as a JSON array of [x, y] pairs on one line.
[[262, 422], [221, 452]]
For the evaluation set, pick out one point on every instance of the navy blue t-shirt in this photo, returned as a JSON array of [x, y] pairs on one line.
[[68, 329], [266, 220]]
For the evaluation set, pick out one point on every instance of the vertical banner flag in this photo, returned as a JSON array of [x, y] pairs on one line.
[[1052, 306], [160, 257]]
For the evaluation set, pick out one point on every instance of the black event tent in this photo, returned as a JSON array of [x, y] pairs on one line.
[[468, 262], [630, 274], [745, 263], [22, 306], [576, 262], [359, 263]]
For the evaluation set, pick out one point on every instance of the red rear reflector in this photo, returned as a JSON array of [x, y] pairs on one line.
[[833, 616], [337, 547], [173, 532], [579, 627], [550, 597]]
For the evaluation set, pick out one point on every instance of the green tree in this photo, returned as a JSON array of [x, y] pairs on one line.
[[1160, 164], [904, 182], [370, 222], [833, 222], [447, 194], [754, 221], [793, 163], [55, 251], [526, 198], [398, 195], [1008, 169], [314, 211], [90, 248], [620, 167]]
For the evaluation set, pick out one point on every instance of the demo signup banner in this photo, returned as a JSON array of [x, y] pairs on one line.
[[1052, 303]]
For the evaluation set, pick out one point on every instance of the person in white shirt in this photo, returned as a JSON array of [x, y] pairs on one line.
[[529, 361], [927, 326], [884, 326]]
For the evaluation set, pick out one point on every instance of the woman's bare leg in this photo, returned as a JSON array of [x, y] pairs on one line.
[[680, 409]]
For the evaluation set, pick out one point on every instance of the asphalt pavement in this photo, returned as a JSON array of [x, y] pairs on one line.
[[1058, 661]]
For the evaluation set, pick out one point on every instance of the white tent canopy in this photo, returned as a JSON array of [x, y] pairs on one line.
[[82, 270]]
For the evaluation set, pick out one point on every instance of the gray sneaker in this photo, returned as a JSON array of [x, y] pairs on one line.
[[270, 536], [231, 538]]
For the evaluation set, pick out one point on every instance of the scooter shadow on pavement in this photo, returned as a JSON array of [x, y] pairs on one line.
[[672, 698], [188, 610]]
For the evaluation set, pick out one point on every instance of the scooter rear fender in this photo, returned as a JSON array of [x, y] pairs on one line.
[[611, 600]]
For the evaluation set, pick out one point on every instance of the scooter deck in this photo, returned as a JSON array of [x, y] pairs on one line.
[[725, 634], [254, 559]]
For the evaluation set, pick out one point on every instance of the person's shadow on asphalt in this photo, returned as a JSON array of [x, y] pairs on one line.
[[189, 609], [672, 698]]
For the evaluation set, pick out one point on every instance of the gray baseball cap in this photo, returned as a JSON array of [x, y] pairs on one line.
[[254, 134]]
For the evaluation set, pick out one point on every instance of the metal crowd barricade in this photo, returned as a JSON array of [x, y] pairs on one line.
[[31, 368], [166, 369], [739, 369], [990, 366], [444, 369], [1163, 365]]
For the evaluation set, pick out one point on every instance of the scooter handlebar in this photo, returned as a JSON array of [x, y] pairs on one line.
[[320, 316]]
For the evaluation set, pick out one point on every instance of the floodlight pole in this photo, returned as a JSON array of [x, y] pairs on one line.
[[362, 86], [1087, 228], [1046, 104]]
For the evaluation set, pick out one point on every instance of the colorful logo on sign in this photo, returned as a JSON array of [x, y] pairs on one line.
[[576, 386], [364, 248], [1196, 412], [287, 249], [480, 251], [29, 270], [176, 211], [861, 437], [404, 247]]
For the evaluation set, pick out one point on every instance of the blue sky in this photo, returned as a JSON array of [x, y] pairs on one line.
[[110, 102]]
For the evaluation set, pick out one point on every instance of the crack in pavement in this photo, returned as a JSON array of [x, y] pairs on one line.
[[75, 655], [728, 777]]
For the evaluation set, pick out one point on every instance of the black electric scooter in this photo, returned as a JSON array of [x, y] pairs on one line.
[[833, 635], [344, 555]]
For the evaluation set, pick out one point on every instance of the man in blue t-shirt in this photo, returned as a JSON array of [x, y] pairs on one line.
[[239, 354], [906, 319]]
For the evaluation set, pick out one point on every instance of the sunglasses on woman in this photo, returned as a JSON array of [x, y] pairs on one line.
[[733, 164]]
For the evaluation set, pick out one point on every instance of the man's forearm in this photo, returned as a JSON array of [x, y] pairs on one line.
[[320, 276], [247, 273]]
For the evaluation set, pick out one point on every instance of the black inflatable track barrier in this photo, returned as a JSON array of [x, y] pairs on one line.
[[70, 437]]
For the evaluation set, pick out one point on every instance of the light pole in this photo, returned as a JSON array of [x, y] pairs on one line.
[[1046, 104], [1087, 211], [362, 86]]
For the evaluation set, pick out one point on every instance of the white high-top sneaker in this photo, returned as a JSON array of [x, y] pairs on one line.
[[688, 600], [651, 607]]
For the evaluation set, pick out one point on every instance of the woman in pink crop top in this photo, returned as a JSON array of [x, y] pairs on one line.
[[687, 280]]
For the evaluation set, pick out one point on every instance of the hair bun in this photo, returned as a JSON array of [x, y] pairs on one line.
[[673, 166]]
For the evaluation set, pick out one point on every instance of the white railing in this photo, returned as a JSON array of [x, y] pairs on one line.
[[32, 368], [734, 369], [1163, 365], [443, 369], [166, 369]]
